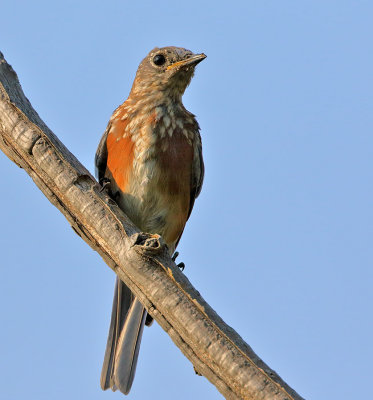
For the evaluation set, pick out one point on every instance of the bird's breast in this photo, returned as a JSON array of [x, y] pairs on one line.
[[160, 188], [150, 159]]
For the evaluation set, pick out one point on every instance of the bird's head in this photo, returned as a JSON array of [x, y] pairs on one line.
[[166, 71]]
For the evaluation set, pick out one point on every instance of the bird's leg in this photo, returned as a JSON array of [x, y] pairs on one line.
[[181, 265], [105, 187]]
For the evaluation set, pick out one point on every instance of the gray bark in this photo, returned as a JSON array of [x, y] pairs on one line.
[[139, 259]]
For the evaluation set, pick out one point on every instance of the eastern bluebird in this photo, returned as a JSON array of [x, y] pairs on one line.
[[150, 158]]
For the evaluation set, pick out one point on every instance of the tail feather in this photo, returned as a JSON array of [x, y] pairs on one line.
[[122, 349]]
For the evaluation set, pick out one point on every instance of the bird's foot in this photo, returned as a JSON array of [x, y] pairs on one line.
[[181, 265], [104, 182]]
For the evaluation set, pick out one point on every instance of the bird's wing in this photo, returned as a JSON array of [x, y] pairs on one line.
[[101, 156], [198, 173]]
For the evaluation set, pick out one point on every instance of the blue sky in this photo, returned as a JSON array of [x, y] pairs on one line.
[[280, 240]]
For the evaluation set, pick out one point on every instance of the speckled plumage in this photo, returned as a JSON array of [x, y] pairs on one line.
[[152, 154]]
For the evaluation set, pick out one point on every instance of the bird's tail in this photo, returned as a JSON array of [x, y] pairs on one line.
[[123, 344]]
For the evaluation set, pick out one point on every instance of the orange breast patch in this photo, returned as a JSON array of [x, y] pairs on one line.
[[120, 154]]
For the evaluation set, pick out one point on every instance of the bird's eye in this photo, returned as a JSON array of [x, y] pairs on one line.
[[159, 59]]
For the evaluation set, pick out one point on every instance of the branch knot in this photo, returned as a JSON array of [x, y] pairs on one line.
[[148, 243]]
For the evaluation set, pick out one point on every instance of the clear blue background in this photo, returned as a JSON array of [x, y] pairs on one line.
[[280, 240]]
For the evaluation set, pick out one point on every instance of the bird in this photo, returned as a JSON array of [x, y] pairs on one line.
[[149, 160]]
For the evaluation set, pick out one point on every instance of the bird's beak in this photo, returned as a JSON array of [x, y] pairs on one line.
[[194, 60]]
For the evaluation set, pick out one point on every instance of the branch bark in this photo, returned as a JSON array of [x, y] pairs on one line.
[[139, 259]]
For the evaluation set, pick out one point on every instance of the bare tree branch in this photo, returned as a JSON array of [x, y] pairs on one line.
[[141, 260]]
